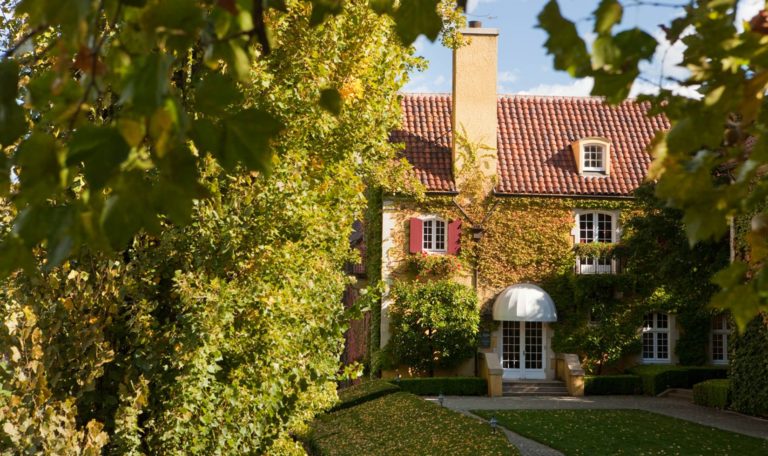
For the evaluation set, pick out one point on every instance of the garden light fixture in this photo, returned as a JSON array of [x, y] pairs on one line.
[[493, 423], [441, 399]]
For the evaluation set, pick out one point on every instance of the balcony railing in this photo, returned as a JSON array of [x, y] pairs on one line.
[[598, 264]]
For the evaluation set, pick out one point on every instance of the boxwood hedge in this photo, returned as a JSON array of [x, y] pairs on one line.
[[713, 393], [612, 384], [449, 386], [657, 378]]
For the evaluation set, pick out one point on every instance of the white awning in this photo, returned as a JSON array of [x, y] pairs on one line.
[[524, 302]]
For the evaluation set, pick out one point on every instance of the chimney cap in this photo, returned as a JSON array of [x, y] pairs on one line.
[[475, 24]]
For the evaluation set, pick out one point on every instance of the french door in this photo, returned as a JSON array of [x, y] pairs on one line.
[[523, 350]]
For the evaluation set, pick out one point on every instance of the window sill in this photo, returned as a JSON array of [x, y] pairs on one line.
[[655, 361]]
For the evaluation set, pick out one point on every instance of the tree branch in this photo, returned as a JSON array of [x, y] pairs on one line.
[[15, 47]]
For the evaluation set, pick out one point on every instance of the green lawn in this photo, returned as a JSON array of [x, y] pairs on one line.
[[404, 424], [607, 432]]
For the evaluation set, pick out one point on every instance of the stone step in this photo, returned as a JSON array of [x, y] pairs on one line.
[[536, 394], [534, 388], [679, 393]]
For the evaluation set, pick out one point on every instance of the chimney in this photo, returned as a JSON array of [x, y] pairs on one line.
[[474, 98]]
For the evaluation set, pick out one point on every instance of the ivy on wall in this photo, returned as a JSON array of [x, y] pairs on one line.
[[528, 240]]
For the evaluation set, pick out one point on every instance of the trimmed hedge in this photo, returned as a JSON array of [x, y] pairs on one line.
[[364, 392], [713, 393], [449, 386], [612, 384], [657, 378], [749, 368]]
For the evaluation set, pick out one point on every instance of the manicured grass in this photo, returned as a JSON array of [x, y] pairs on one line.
[[404, 424], [364, 392], [606, 432]]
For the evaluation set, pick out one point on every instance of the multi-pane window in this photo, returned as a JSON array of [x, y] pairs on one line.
[[656, 337], [721, 330], [594, 157], [434, 235], [595, 227]]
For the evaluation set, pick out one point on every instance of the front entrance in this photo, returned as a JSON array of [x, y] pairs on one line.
[[522, 349]]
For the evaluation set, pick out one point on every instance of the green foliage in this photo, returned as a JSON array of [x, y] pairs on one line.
[[402, 423], [152, 84], [599, 317], [364, 392], [749, 368], [672, 275], [449, 386], [426, 266], [209, 336], [711, 163], [657, 378], [433, 324], [612, 384], [582, 432], [713, 393]]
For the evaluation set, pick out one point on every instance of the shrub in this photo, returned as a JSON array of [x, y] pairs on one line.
[[612, 384], [698, 374], [749, 368], [449, 386], [657, 378], [364, 392], [433, 324], [713, 393], [425, 265]]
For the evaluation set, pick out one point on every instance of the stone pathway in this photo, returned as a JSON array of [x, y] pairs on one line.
[[526, 446], [677, 408]]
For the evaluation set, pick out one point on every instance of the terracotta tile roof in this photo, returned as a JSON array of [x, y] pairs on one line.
[[426, 132], [534, 138]]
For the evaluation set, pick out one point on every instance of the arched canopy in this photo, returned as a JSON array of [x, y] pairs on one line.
[[524, 302]]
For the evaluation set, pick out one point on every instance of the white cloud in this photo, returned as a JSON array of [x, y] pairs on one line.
[[473, 4], [746, 10], [421, 84], [578, 88], [508, 76]]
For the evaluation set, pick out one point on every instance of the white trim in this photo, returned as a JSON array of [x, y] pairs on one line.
[[724, 332], [615, 234], [603, 152], [434, 234], [656, 333]]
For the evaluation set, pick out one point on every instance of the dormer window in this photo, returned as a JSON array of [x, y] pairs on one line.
[[592, 156]]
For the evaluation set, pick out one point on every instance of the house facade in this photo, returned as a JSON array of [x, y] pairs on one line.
[[526, 189]]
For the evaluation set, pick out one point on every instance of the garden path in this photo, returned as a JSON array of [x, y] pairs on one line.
[[526, 446], [677, 408]]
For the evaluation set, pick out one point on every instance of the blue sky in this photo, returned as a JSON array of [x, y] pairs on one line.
[[524, 66]]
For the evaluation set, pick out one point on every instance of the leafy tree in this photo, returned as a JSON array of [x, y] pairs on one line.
[[673, 273], [711, 163], [99, 93], [216, 328], [433, 324]]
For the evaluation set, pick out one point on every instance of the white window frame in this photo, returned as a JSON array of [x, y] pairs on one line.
[[655, 331], [603, 156], [430, 223], [724, 333], [615, 234]]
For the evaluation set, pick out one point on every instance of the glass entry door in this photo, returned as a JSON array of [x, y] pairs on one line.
[[522, 349]]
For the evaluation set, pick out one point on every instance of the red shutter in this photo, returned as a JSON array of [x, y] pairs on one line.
[[417, 231], [454, 237]]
